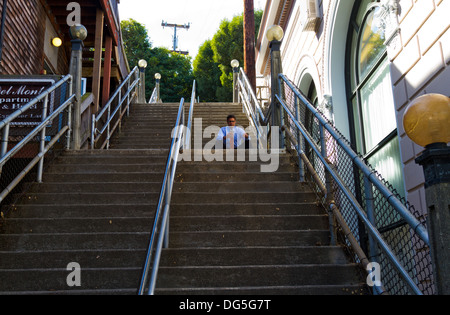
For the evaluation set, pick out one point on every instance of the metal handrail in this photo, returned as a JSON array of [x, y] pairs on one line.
[[187, 144], [418, 227], [368, 173], [252, 107], [154, 98], [96, 134], [161, 223], [39, 129]]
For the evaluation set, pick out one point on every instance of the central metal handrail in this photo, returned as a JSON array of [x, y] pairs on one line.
[[252, 107], [160, 230], [154, 97]]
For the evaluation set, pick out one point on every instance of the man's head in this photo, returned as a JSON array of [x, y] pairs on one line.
[[231, 121]]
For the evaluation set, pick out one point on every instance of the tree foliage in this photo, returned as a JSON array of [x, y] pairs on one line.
[[175, 69], [207, 73], [227, 44]]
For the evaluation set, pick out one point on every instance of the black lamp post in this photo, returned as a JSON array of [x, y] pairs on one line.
[[426, 122], [275, 35]]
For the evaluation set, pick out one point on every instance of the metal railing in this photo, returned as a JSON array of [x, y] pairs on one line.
[[159, 238], [154, 97], [370, 214], [355, 195], [252, 107], [32, 141], [105, 123]]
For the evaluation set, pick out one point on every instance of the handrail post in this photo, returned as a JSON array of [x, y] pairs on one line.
[[328, 186], [93, 132], [42, 141], [69, 113], [373, 252], [5, 138], [301, 166], [108, 128]]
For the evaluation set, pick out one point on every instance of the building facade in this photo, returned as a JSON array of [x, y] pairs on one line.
[[368, 60], [28, 28]]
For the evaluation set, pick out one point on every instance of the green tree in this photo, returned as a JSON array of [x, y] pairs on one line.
[[227, 44], [207, 73], [176, 74], [175, 69], [135, 40]]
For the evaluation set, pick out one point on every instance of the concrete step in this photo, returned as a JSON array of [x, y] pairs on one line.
[[74, 241], [148, 210], [83, 210], [77, 225], [243, 238], [257, 276], [178, 223], [300, 290], [47, 281], [94, 258], [253, 256], [149, 197], [107, 177], [111, 187]]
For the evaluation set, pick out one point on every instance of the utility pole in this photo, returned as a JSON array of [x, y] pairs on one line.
[[249, 42], [175, 36]]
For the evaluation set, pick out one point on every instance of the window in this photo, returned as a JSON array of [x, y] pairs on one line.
[[370, 93]]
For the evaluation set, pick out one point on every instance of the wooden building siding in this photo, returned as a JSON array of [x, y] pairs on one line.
[[23, 43]]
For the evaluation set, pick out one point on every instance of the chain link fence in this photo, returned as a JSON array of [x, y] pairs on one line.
[[408, 247], [35, 129]]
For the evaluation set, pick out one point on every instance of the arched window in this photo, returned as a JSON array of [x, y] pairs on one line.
[[370, 93]]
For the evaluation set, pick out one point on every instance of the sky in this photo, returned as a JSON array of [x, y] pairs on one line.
[[204, 17]]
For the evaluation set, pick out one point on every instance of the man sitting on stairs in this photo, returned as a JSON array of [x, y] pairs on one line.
[[232, 136]]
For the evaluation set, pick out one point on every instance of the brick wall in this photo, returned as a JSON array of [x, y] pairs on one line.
[[421, 66]]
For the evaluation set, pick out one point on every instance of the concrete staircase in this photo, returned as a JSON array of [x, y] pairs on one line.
[[94, 208], [233, 229], [236, 230]]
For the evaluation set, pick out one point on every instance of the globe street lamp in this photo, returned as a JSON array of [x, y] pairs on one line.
[[78, 33], [426, 122], [142, 64], [235, 66], [158, 80]]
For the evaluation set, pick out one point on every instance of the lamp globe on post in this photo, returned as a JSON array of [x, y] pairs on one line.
[[142, 64], [78, 33], [275, 35], [235, 66], [426, 122], [158, 81]]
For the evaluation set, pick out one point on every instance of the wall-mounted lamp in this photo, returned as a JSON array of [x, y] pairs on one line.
[[56, 41]]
